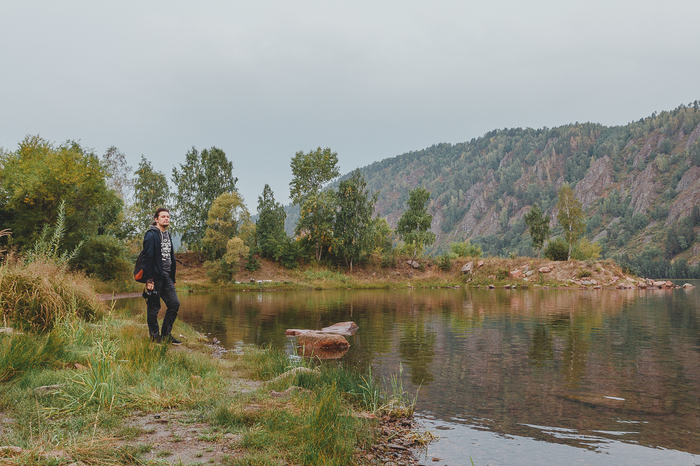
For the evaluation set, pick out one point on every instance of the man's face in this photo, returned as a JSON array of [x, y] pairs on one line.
[[163, 219]]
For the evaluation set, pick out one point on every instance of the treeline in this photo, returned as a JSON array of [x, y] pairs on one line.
[[98, 207]]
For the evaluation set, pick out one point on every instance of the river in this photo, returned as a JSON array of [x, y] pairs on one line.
[[538, 376]]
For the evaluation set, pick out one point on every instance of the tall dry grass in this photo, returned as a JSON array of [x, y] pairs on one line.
[[35, 296]]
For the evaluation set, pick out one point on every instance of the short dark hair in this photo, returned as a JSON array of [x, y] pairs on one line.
[[159, 210]]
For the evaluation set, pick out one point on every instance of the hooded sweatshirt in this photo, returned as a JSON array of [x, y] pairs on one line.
[[159, 257]]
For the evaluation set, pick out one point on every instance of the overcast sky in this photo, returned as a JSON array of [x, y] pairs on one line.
[[369, 79]]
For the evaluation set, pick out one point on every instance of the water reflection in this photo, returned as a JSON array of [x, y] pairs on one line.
[[592, 363]]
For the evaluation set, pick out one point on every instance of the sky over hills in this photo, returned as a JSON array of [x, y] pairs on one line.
[[262, 80]]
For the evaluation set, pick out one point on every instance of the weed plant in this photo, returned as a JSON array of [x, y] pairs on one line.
[[35, 296]]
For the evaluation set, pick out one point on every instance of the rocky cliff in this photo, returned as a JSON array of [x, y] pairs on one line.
[[636, 182]]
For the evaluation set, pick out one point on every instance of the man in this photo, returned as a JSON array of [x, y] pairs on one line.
[[159, 265]]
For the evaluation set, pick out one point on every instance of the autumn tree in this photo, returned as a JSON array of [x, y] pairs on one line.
[[414, 225], [201, 179], [570, 216], [352, 230], [270, 236], [538, 224], [310, 172]]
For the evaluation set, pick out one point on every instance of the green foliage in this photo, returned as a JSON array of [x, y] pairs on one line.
[[226, 215], [353, 226], [20, 353], [466, 249], [502, 274], [557, 250], [38, 176], [252, 264], [679, 237], [539, 227], [444, 262], [585, 250], [269, 230], [199, 181], [48, 249], [316, 222], [570, 216], [388, 260], [104, 257], [151, 191], [584, 273], [310, 172], [414, 225]]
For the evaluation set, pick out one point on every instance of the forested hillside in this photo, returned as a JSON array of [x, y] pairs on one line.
[[639, 185]]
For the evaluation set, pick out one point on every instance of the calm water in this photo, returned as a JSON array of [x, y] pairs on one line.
[[508, 377]]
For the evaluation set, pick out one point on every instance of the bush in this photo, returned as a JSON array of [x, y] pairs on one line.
[[585, 250], [252, 264], [218, 271], [502, 274], [557, 250], [466, 249], [388, 261], [103, 257], [444, 262]]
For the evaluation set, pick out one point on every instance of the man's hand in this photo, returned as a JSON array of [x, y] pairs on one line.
[[150, 285]]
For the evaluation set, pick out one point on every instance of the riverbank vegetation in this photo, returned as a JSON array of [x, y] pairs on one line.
[[81, 382]]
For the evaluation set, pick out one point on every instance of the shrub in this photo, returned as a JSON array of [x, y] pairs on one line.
[[444, 262], [583, 273], [253, 264], [466, 249], [502, 274], [388, 260], [557, 250], [103, 257], [585, 250]]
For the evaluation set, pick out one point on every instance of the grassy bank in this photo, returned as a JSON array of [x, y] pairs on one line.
[[85, 384], [430, 273]]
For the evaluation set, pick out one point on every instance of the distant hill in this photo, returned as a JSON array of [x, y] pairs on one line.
[[638, 183]]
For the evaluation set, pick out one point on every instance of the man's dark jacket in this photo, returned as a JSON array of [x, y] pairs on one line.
[[152, 257]]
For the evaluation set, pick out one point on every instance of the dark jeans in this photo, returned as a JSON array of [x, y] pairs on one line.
[[166, 291]]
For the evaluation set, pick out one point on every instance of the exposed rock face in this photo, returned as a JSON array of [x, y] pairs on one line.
[[544, 270], [694, 135], [477, 194], [413, 264], [644, 189], [467, 268], [689, 178], [688, 198], [515, 273], [643, 153], [598, 178]]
